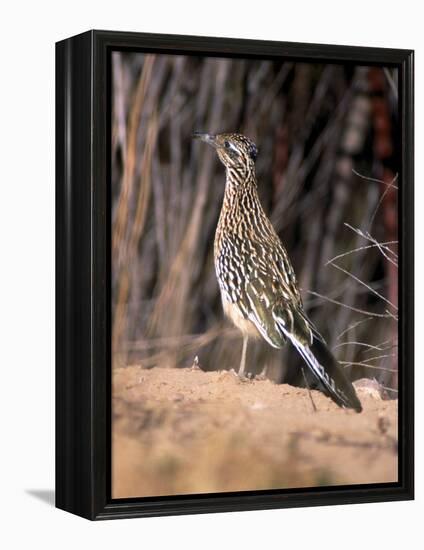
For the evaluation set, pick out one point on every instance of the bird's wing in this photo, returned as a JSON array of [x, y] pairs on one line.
[[257, 277], [270, 285]]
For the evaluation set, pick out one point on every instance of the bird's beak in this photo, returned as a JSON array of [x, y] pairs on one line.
[[207, 138]]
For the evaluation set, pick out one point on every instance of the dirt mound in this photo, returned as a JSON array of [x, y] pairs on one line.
[[180, 431]]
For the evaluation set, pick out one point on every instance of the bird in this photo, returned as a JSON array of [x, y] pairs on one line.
[[257, 282]]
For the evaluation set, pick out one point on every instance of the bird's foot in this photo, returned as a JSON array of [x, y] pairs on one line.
[[245, 376], [242, 376], [262, 375], [196, 364]]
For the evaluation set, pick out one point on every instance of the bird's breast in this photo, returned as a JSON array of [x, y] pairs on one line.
[[233, 312], [233, 265]]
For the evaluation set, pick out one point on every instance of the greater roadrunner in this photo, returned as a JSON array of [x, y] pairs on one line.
[[258, 286]]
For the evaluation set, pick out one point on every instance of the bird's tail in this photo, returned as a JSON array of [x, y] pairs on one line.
[[328, 372]]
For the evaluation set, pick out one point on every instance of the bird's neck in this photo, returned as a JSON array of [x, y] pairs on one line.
[[241, 177], [241, 207], [240, 185]]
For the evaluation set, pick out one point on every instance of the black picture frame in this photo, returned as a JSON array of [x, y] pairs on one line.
[[83, 393]]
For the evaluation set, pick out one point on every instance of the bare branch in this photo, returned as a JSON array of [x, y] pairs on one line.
[[370, 313], [378, 357], [360, 364], [370, 238], [378, 245], [380, 347], [365, 285], [364, 344], [377, 180]]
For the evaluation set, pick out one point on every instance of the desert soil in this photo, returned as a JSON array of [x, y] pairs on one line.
[[181, 431]]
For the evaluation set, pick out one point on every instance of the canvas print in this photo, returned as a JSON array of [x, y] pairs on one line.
[[254, 274]]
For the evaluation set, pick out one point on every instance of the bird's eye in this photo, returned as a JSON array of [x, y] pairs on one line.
[[227, 144]]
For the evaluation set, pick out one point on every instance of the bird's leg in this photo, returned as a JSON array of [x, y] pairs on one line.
[[243, 356]]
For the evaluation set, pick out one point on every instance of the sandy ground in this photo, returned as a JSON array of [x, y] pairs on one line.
[[180, 431]]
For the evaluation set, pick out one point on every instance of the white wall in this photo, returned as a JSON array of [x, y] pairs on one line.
[[28, 33]]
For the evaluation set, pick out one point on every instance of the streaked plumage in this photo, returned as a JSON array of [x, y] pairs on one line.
[[258, 286]]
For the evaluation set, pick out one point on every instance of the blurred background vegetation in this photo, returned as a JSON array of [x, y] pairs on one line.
[[327, 168]]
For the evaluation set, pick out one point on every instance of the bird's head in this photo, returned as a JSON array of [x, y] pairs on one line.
[[234, 150]]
